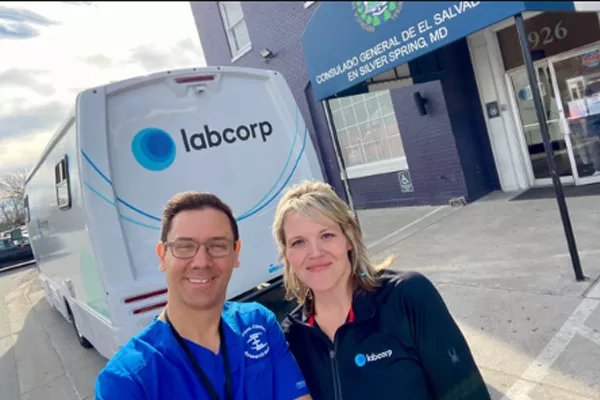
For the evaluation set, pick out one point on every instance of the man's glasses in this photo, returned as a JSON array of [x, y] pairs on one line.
[[186, 249]]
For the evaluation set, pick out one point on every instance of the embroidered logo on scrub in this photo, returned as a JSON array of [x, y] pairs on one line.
[[257, 345], [361, 359], [300, 385]]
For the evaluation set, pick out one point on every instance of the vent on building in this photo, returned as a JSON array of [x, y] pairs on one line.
[[457, 202]]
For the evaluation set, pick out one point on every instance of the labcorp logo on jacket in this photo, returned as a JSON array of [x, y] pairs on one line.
[[155, 149], [361, 360]]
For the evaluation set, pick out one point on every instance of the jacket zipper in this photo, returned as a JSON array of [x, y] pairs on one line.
[[337, 382], [337, 385]]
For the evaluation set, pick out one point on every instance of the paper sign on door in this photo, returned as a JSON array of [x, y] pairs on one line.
[[577, 108], [593, 104]]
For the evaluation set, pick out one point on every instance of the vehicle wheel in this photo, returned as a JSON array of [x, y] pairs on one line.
[[82, 340]]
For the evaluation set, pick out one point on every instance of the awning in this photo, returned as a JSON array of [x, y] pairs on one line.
[[346, 43]]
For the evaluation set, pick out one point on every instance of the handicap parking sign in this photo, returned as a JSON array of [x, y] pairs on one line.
[[406, 185]]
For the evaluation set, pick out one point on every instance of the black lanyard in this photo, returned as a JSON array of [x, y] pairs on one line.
[[203, 378]]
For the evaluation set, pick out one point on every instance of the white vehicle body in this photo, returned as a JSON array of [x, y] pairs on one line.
[[95, 198]]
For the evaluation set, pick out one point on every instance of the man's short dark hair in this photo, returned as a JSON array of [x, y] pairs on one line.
[[188, 201]]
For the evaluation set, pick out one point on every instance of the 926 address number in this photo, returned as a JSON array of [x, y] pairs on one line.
[[547, 34]]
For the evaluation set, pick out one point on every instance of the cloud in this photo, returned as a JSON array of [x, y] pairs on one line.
[[70, 49], [153, 58], [98, 60], [23, 15], [184, 54], [77, 90], [27, 78], [20, 120], [22, 152], [17, 31], [16, 23], [150, 58], [188, 45], [25, 130]]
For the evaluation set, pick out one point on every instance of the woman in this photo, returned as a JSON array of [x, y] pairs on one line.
[[363, 331]]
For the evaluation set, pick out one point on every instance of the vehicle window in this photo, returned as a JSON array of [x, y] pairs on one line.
[[61, 180]]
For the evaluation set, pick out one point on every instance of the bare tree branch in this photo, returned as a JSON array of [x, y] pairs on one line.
[[12, 195], [13, 184], [5, 213]]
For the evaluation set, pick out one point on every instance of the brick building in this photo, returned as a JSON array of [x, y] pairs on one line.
[[475, 136]]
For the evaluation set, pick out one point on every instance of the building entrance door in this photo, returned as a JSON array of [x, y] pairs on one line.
[[570, 91], [533, 145], [567, 64], [577, 84]]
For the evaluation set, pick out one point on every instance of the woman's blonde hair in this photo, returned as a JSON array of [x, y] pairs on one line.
[[306, 198]]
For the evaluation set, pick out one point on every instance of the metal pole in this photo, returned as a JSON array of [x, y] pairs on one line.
[[560, 197], [340, 158]]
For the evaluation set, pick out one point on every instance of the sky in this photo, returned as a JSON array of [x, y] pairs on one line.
[[51, 51]]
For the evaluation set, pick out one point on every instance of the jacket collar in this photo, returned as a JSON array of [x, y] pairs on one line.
[[363, 305]]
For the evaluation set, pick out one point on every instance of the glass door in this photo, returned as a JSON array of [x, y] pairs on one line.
[[523, 98], [577, 83]]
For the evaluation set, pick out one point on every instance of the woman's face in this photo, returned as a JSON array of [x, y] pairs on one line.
[[317, 251]]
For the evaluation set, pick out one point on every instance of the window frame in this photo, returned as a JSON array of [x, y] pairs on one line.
[[381, 166], [236, 54], [62, 183]]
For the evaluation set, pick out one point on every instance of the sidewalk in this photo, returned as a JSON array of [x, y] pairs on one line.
[[504, 269]]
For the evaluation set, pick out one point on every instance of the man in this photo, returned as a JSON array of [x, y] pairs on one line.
[[202, 346]]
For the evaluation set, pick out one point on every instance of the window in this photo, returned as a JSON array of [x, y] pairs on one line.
[[61, 181], [235, 27], [368, 134]]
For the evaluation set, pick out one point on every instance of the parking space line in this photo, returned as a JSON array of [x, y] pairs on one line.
[[388, 236], [540, 367], [594, 292], [589, 334]]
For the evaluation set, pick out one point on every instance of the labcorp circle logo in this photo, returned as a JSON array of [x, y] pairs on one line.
[[360, 360], [154, 149], [371, 14]]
